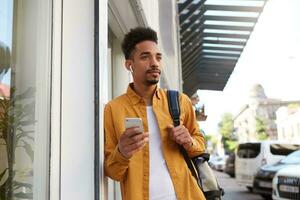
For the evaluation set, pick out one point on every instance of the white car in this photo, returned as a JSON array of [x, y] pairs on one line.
[[217, 162], [251, 156], [286, 183]]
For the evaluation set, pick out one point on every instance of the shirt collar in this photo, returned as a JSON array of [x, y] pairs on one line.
[[135, 98]]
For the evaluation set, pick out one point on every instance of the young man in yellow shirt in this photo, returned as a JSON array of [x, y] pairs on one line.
[[149, 164]]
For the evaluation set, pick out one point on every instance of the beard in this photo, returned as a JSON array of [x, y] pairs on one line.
[[152, 82], [153, 79]]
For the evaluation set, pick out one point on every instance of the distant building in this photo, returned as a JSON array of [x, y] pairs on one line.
[[288, 123], [259, 107]]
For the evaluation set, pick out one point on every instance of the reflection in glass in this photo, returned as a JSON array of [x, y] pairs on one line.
[[18, 57]]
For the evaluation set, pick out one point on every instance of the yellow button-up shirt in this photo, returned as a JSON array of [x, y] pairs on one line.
[[133, 173]]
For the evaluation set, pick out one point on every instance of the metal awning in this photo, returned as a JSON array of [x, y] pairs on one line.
[[213, 34]]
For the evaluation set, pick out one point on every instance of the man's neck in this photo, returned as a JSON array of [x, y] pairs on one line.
[[146, 92]]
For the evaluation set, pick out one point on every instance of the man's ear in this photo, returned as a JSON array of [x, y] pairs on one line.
[[128, 65]]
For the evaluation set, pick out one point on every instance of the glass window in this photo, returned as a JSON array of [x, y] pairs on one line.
[[24, 98], [248, 150], [283, 149]]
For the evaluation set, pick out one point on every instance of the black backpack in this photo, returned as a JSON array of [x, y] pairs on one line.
[[198, 165]]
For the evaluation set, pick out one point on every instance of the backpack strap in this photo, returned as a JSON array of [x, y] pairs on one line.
[[174, 109]]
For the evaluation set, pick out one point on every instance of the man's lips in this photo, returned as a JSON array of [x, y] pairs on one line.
[[153, 71]]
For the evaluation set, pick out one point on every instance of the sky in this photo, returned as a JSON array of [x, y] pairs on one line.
[[271, 58], [6, 33]]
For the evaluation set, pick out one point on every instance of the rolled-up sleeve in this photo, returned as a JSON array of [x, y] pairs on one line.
[[190, 122], [115, 164]]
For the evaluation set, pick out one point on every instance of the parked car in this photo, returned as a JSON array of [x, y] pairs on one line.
[[217, 162], [251, 156], [229, 165], [286, 184], [263, 179]]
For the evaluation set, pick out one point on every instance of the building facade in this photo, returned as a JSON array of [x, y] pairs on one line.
[[60, 62], [288, 123], [259, 108]]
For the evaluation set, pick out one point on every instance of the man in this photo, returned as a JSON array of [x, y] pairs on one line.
[[149, 165]]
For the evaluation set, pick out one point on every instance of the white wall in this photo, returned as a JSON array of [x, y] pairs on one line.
[[124, 15], [77, 120], [120, 75], [104, 87]]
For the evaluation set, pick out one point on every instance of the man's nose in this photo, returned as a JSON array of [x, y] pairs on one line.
[[154, 62]]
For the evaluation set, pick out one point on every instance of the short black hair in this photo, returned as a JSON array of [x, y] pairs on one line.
[[135, 36]]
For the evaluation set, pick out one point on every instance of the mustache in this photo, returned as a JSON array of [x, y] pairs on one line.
[[153, 71]]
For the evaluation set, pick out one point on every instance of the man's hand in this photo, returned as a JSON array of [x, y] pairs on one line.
[[131, 141], [181, 135]]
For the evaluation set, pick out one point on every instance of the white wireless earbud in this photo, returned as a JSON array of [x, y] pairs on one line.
[[130, 67]]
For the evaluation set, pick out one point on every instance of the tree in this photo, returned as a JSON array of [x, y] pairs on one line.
[[211, 142], [226, 130], [261, 128]]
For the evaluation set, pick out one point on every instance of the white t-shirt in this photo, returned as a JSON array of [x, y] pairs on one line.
[[160, 183]]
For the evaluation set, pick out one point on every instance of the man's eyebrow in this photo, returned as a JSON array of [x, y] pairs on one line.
[[147, 53]]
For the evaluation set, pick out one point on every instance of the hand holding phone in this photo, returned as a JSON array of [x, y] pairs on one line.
[[134, 122], [132, 140]]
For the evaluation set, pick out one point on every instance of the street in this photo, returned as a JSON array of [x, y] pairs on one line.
[[232, 190]]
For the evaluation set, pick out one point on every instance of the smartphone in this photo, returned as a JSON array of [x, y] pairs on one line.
[[134, 122]]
